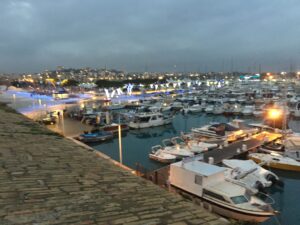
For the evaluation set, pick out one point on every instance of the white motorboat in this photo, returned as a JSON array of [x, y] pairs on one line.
[[247, 173], [208, 183], [248, 110], [179, 150], [209, 109], [297, 110], [194, 108], [218, 109], [275, 160], [236, 109], [193, 145], [144, 120], [158, 154], [258, 113]]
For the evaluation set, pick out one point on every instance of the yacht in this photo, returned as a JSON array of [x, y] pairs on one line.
[[220, 130], [144, 120], [158, 154], [226, 198]]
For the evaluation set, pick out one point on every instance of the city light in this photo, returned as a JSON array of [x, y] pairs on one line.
[[274, 114]]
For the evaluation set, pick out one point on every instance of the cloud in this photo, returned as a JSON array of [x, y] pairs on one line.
[[128, 34]]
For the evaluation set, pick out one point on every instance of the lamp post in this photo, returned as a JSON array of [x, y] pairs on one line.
[[274, 114]]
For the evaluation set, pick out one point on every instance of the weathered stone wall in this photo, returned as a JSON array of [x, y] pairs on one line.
[[47, 179]]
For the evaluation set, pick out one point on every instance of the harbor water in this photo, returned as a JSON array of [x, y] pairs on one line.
[[136, 145]]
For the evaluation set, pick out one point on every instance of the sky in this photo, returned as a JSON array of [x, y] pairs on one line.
[[150, 35]]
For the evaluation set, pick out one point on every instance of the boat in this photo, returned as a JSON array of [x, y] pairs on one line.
[[218, 109], [194, 108], [220, 130], [158, 154], [144, 120], [247, 173], [177, 149], [115, 106], [207, 182], [297, 110], [209, 109], [248, 110], [97, 136], [236, 109], [275, 160], [114, 128], [290, 147]]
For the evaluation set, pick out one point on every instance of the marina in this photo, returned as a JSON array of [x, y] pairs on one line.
[[146, 149]]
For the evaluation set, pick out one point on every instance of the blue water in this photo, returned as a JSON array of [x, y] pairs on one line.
[[137, 144]]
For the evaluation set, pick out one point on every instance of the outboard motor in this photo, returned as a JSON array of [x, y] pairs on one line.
[[271, 177], [259, 186]]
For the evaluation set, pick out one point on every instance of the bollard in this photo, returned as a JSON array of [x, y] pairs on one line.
[[226, 143], [211, 160], [244, 147], [221, 147]]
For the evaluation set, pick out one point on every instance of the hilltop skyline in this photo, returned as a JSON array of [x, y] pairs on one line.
[[153, 35]]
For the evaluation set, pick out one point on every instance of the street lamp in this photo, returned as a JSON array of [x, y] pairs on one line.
[[274, 114]]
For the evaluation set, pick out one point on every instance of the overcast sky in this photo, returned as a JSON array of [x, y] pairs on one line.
[[157, 35]]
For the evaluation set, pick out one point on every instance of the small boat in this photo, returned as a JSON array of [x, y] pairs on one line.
[[160, 155], [218, 109], [144, 120], [247, 173], [194, 108], [258, 113], [114, 128], [275, 160], [248, 110], [209, 109], [297, 110], [95, 137], [179, 150], [207, 182]]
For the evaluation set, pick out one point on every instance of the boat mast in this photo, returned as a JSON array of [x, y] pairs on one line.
[[284, 119]]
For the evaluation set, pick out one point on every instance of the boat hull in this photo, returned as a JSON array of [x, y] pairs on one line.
[[280, 166], [227, 211], [161, 160], [146, 125]]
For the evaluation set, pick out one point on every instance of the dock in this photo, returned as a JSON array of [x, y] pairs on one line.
[[48, 179], [239, 147]]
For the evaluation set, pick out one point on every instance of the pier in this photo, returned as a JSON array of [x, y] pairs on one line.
[[48, 179], [239, 147]]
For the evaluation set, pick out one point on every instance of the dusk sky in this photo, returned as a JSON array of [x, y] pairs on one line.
[[160, 35]]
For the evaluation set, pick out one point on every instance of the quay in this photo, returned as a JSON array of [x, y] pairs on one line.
[[48, 179]]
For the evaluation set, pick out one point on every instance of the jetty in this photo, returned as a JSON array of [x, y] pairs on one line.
[[239, 147], [48, 179]]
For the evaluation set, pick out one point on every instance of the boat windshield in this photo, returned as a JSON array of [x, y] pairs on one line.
[[239, 199]]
